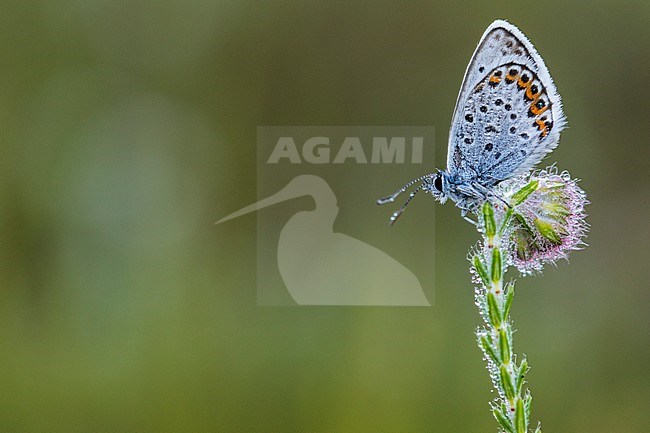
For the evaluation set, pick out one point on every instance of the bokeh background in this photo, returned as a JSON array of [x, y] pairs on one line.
[[129, 128]]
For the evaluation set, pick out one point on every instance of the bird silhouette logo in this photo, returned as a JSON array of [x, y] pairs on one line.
[[322, 267]]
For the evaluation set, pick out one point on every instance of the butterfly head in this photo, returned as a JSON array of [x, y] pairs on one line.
[[434, 183], [437, 184]]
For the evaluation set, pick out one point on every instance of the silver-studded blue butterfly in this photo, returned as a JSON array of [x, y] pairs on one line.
[[508, 116]]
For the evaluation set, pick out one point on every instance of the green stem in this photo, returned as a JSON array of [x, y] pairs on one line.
[[511, 408]]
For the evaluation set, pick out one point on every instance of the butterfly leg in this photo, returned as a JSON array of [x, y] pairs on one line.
[[463, 214], [472, 191], [489, 194]]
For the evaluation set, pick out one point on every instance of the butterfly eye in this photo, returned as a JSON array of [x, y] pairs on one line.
[[437, 183]]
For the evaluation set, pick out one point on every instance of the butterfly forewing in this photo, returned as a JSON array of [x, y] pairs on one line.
[[508, 114]]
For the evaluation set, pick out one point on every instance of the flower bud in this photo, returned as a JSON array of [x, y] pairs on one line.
[[550, 220]]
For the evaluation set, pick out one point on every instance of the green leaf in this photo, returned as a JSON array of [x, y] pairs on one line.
[[520, 417], [528, 406], [556, 210], [493, 310], [510, 294], [521, 195], [486, 345], [504, 346], [521, 375], [506, 220], [547, 230], [496, 265], [506, 383], [488, 218], [481, 271], [523, 223], [503, 420]]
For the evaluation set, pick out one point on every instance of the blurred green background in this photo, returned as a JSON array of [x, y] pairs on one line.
[[128, 128]]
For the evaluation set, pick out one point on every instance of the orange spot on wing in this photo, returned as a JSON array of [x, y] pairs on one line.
[[543, 127], [537, 111], [530, 94]]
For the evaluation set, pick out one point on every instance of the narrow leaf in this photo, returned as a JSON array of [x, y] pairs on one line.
[[510, 294], [489, 351], [520, 418], [521, 374], [547, 230], [506, 220], [481, 271], [506, 383], [496, 265], [488, 218], [504, 346], [523, 223], [493, 310], [528, 406], [522, 194], [503, 420]]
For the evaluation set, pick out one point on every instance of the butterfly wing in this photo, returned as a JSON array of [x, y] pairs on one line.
[[508, 115]]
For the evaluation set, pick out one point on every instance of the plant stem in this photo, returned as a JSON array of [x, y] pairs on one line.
[[512, 407]]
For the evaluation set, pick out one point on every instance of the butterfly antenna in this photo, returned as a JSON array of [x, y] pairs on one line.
[[398, 213], [391, 198]]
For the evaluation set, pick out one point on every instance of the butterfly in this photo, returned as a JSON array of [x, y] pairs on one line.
[[508, 116]]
